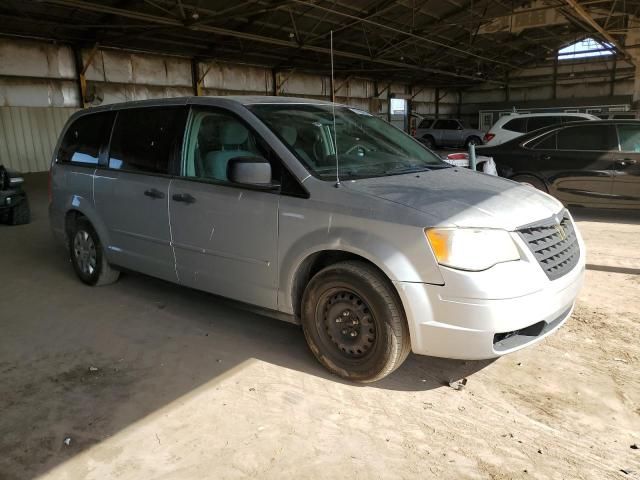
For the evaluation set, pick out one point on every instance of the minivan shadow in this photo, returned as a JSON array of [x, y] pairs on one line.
[[280, 343], [85, 363]]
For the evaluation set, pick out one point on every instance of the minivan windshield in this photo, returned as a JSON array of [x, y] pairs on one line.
[[366, 146]]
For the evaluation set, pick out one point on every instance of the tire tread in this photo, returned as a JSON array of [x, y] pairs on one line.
[[401, 343]]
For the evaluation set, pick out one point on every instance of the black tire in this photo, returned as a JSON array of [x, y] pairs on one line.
[[20, 214], [531, 180], [351, 297], [428, 142], [87, 255], [473, 140]]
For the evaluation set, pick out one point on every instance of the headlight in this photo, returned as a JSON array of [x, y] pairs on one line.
[[472, 249]]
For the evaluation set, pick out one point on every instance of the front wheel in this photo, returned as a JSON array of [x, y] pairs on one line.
[[354, 323], [428, 142], [87, 256]]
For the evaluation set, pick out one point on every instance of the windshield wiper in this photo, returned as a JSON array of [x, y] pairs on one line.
[[405, 169]]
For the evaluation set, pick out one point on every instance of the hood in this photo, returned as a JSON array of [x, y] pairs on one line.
[[460, 197]]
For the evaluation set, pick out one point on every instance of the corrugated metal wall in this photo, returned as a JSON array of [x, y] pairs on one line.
[[29, 134], [39, 90]]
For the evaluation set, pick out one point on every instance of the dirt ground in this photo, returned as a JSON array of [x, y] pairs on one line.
[[188, 387]]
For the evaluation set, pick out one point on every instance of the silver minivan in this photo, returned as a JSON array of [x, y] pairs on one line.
[[320, 214]]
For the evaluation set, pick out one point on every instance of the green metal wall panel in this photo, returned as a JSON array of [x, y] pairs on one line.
[[29, 134]]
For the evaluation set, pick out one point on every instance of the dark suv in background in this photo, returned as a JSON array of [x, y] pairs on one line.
[[590, 164]]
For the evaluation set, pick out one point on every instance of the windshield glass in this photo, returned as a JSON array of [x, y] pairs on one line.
[[367, 146]]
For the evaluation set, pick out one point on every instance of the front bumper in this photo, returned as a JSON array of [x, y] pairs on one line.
[[480, 315]]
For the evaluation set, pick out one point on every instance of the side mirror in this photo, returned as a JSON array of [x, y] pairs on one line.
[[255, 171]]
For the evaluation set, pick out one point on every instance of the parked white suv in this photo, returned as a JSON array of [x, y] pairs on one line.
[[514, 125]]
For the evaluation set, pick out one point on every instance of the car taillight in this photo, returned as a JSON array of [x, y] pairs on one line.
[[488, 137], [413, 132], [50, 187]]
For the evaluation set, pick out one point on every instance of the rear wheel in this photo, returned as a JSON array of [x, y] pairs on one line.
[[354, 323], [473, 141], [531, 180], [87, 256]]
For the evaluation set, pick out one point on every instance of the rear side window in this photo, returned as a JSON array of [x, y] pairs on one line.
[[535, 123], [147, 139], [516, 125], [547, 142], [446, 125], [426, 123], [83, 139], [588, 137], [629, 138]]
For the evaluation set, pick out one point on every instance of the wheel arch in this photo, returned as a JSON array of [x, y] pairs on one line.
[[78, 208], [318, 260], [535, 176]]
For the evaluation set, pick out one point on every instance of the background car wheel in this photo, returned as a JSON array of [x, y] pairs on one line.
[[428, 142], [354, 323], [20, 214], [87, 256], [473, 141], [531, 180]]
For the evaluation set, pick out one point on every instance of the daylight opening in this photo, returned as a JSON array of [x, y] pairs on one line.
[[585, 48]]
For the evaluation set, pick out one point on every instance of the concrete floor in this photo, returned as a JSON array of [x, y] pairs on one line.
[[187, 387]]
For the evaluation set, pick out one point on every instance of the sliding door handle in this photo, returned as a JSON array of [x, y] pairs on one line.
[[183, 197], [154, 193]]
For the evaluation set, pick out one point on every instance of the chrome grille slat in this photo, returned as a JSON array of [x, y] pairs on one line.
[[555, 254]]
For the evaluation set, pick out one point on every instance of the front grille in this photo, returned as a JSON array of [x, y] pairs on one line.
[[554, 244]]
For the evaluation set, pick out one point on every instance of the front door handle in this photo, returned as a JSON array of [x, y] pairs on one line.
[[154, 193], [183, 197], [546, 157], [625, 162]]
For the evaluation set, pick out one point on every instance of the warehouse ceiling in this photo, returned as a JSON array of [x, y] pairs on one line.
[[433, 42]]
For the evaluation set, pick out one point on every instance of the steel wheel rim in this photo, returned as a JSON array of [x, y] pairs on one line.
[[84, 252], [347, 324]]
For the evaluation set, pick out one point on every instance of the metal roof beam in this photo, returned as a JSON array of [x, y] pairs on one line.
[[88, 6], [588, 19]]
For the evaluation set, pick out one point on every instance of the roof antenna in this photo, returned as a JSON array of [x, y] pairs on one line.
[[333, 112]]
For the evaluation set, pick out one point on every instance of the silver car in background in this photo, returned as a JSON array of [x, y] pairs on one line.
[[447, 132], [240, 197]]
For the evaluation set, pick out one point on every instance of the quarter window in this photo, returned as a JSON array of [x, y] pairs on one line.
[[588, 137], [426, 123], [629, 138], [147, 139], [84, 138], [516, 125]]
